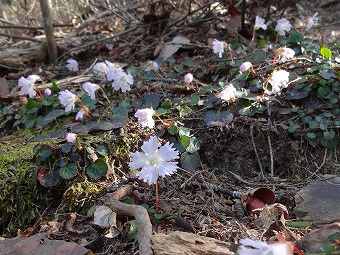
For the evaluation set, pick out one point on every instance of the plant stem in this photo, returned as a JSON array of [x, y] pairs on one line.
[[157, 206]]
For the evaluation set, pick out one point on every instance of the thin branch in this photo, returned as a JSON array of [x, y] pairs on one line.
[[34, 28], [21, 37], [255, 149]]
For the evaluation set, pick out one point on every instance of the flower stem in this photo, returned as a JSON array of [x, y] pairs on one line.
[[265, 88], [105, 96], [277, 37], [252, 39], [166, 124], [157, 205], [230, 52], [84, 108]]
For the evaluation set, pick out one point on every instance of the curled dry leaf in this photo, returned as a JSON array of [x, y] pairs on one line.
[[172, 47]]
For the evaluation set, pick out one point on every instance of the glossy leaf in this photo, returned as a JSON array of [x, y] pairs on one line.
[[218, 119], [97, 170], [190, 161], [69, 171]]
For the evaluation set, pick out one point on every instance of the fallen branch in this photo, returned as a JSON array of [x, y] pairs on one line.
[[139, 212]]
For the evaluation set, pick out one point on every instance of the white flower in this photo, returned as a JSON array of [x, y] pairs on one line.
[[260, 23], [90, 88], [218, 47], [245, 66], [151, 65], [154, 161], [72, 65], [279, 80], [283, 26], [145, 117], [257, 247], [188, 78], [47, 92], [71, 137], [312, 21], [80, 114], [113, 68], [67, 99], [228, 93], [100, 69], [285, 53], [27, 86], [122, 81]]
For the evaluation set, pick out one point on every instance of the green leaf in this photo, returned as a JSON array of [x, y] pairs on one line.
[[194, 145], [172, 130], [90, 211], [330, 143], [166, 105], [44, 152], [161, 111], [178, 68], [334, 237], [97, 170], [69, 171], [219, 119], [194, 100], [293, 126], [30, 121], [54, 85], [296, 37], [66, 148], [329, 134], [150, 75], [185, 141], [101, 149], [184, 111], [190, 161], [88, 101], [323, 91], [128, 201], [299, 224], [53, 116], [31, 104], [151, 99], [325, 52], [327, 247], [183, 131], [160, 216], [189, 63], [311, 135], [133, 231]]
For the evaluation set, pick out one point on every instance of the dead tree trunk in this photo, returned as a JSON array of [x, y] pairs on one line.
[[46, 6]]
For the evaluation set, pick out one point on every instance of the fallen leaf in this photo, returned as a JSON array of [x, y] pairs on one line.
[[4, 90], [104, 217], [172, 47]]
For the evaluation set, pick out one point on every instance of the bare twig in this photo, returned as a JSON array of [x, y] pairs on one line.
[[255, 150], [34, 28], [21, 37], [139, 212], [269, 141], [320, 166]]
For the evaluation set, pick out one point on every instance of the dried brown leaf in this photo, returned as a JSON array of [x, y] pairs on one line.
[[172, 47]]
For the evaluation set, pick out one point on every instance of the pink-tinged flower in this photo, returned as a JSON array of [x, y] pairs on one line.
[[154, 161], [72, 65], [279, 80], [71, 137], [285, 53], [312, 21], [188, 78], [218, 47], [90, 88], [257, 247], [151, 65], [228, 93], [122, 81], [260, 23], [27, 86], [100, 69], [245, 66], [283, 26], [47, 92], [145, 117], [67, 99]]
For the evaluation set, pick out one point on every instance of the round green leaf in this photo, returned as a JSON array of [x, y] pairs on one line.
[[311, 135], [325, 52], [295, 37], [69, 171], [189, 63], [172, 130], [190, 161], [101, 149], [185, 141], [327, 247], [330, 143], [329, 134], [133, 229], [194, 145], [97, 170], [334, 237], [222, 118]]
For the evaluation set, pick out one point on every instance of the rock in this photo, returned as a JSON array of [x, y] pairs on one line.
[[312, 242], [318, 202], [183, 243], [40, 244]]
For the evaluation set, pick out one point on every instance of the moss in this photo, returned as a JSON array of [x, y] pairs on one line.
[[19, 196]]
